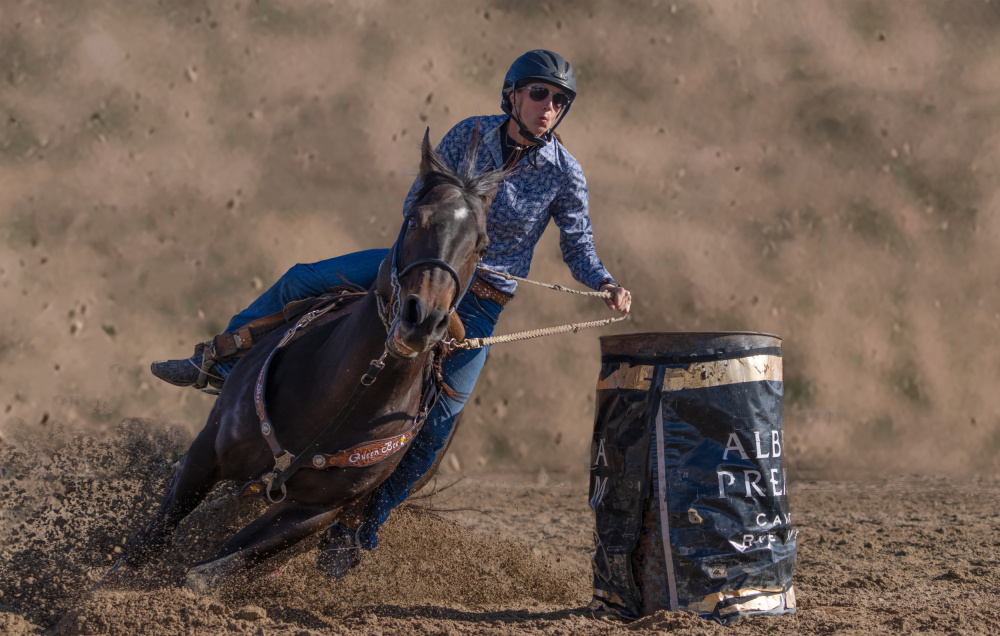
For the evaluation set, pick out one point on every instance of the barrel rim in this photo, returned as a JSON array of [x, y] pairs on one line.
[[689, 333]]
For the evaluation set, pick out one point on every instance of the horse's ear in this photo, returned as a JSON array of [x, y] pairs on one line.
[[429, 160]]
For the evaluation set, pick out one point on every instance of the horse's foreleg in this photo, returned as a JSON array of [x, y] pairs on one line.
[[283, 525], [194, 479], [353, 513]]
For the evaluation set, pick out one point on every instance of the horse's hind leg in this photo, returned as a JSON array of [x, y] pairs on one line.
[[192, 481], [283, 525]]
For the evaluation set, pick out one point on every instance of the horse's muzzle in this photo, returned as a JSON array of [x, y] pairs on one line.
[[419, 326], [396, 347]]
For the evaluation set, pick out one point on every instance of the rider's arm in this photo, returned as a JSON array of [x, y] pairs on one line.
[[570, 211]]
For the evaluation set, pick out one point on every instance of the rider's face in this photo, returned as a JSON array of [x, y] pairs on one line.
[[537, 117]]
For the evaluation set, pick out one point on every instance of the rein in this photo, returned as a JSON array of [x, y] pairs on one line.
[[478, 343]]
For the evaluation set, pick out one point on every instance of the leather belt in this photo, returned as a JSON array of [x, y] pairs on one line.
[[486, 291]]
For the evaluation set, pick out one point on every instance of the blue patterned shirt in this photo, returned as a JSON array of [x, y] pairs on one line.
[[525, 202]]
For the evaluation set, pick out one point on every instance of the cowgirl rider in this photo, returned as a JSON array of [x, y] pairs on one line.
[[537, 93]]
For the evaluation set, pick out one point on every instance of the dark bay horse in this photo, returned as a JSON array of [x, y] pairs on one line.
[[314, 376]]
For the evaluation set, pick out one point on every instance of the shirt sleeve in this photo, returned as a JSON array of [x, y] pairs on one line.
[[452, 152], [570, 211]]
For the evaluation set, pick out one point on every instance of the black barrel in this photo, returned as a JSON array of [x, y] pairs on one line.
[[687, 484]]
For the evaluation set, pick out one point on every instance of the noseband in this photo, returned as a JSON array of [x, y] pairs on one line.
[[392, 311]]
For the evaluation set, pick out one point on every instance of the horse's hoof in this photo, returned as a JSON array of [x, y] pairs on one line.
[[119, 574], [205, 577], [341, 553], [200, 583]]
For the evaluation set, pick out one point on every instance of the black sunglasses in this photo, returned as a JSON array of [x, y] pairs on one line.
[[538, 93]]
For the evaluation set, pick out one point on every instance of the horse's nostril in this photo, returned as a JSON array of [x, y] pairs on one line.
[[412, 313]]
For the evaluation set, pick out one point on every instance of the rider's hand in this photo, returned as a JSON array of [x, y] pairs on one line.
[[620, 299]]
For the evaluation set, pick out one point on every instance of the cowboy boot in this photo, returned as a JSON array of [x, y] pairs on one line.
[[178, 372], [183, 372]]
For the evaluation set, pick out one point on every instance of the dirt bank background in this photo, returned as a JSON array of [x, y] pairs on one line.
[[825, 171]]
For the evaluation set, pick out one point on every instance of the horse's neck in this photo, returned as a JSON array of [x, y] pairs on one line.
[[358, 341]]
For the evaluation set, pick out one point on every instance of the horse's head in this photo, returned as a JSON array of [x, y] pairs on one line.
[[441, 241]]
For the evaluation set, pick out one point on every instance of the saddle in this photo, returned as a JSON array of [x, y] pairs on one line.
[[234, 345]]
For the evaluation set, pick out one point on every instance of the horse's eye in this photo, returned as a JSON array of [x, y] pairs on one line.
[[411, 224]]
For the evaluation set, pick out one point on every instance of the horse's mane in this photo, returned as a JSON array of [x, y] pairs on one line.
[[473, 185]]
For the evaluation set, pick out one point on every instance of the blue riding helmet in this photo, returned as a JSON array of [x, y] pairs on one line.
[[544, 66]]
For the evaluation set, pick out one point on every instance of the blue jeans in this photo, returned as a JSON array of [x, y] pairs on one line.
[[307, 281], [460, 370]]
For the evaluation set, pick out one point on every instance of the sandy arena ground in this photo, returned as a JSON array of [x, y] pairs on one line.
[[826, 171], [491, 554]]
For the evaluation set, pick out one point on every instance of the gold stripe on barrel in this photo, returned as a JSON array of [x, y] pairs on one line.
[[698, 375], [759, 601], [627, 376], [720, 372]]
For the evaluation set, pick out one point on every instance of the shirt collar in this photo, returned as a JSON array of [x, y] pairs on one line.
[[492, 141]]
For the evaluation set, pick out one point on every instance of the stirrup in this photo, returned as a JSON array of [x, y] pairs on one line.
[[208, 360]]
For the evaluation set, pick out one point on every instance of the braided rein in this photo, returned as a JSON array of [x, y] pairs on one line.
[[478, 343]]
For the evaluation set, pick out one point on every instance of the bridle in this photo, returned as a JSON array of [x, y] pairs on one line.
[[389, 311]]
